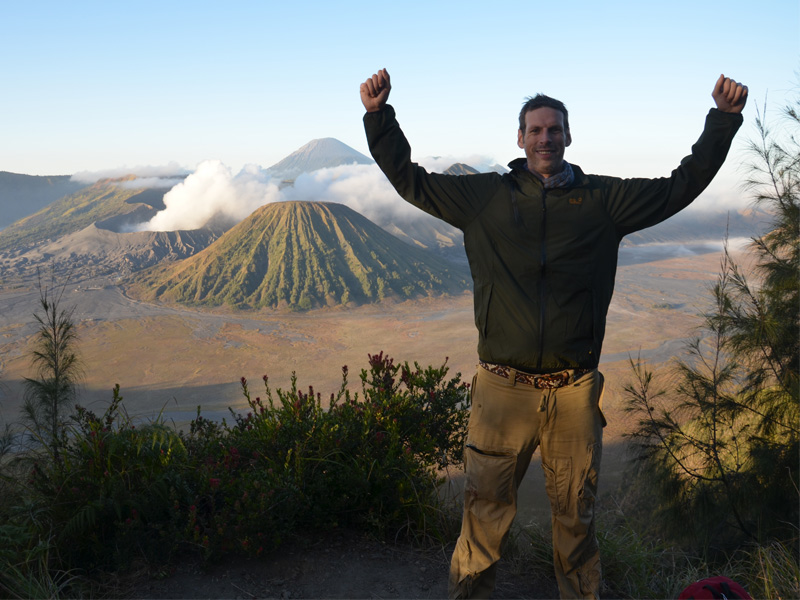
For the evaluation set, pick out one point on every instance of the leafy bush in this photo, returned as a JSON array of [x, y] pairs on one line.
[[289, 463], [112, 495], [121, 492]]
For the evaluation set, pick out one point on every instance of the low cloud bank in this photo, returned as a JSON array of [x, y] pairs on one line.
[[214, 191], [147, 176], [364, 188], [439, 164], [713, 201], [652, 252]]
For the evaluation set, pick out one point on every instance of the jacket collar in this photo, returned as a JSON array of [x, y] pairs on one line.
[[520, 171]]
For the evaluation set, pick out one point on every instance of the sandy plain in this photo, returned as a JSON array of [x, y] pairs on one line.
[[173, 359]]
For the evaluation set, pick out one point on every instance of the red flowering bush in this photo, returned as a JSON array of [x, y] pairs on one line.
[[291, 463]]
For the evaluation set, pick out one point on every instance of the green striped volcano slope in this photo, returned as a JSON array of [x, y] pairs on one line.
[[303, 255]]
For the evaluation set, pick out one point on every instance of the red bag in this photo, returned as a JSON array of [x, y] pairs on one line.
[[714, 588]]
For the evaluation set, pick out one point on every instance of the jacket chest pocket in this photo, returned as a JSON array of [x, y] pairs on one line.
[[483, 298]]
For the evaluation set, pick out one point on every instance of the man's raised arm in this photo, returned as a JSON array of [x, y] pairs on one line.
[[729, 96], [375, 91]]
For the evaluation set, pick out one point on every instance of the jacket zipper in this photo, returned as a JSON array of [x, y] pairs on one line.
[[542, 272]]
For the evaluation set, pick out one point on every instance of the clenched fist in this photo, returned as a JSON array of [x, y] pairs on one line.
[[729, 95], [375, 91]]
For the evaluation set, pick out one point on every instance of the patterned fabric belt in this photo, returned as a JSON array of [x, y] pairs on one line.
[[546, 381]]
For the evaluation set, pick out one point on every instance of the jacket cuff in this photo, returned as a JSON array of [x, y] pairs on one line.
[[734, 118], [379, 118]]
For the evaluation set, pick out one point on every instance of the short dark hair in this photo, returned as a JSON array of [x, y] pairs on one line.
[[542, 101]]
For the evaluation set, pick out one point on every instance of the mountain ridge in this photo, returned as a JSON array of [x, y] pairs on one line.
[[22, 195], [102, 200]]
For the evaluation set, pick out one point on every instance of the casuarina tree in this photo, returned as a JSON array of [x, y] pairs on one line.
[[50, 394], [723, 447]]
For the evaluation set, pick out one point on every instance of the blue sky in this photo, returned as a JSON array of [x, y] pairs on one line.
[[91, 86]]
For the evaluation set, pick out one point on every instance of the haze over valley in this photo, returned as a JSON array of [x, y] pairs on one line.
[[306, 266]]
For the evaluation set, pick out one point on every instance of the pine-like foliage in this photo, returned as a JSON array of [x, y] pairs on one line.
[[50, 395], [720, 454], [764, 317]]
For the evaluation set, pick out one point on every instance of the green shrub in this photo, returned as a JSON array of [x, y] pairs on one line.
[[110, 499], [290, 463], [120, 493]]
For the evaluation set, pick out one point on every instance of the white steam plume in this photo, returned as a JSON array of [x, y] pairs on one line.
[[364, 188], [212, 191]]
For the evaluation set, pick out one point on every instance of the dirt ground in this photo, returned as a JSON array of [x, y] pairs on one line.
[[340, 564]]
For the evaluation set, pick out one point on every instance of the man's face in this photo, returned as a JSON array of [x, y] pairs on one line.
[[544, 140]]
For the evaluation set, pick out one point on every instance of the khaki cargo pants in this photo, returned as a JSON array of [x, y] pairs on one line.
[[508, 421]]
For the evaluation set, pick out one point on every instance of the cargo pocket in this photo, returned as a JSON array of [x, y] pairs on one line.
[[474, 409], [588, 481], [489, 484], [600, 398], [557, 477]]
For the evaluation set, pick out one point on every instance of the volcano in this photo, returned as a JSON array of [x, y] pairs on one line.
[[303, 255]]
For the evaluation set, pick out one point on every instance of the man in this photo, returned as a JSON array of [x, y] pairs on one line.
[[542, 245]]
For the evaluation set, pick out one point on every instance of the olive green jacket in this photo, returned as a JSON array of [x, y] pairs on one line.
[[543, 261]]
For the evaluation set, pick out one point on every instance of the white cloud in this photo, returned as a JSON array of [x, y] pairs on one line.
[[721, 201], [364, 188], [213, 191], [170, 171], [152, 182], [439, 164]]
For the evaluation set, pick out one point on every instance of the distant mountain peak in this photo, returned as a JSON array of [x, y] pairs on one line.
[[461, 169], [317, 154]]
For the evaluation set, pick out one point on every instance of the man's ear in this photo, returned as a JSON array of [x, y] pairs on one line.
[[568, 141], [520, 139]]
